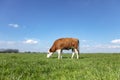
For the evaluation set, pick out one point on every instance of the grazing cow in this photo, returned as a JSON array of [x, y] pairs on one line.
[[65, 44]]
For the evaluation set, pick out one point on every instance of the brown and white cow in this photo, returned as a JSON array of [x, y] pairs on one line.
[[64, 44]]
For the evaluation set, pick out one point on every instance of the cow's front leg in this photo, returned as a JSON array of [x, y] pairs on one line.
[[73, 53], [59, 54]]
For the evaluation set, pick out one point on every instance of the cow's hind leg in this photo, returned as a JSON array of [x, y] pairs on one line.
[[77, 53]]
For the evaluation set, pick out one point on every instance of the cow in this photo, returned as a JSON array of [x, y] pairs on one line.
[[64, 44]]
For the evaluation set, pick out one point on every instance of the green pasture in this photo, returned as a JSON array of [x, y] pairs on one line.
[[34, 66]]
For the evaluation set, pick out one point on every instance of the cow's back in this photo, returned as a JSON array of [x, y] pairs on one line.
[[66, 43]]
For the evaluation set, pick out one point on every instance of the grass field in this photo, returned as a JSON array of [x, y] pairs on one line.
[[38, 67]]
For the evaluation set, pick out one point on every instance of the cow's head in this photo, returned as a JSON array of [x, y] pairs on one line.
[[49, 54]]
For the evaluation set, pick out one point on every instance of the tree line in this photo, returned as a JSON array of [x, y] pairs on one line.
[[9, 50]]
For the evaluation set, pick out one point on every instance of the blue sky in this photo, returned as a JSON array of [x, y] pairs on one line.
[[33, 25]]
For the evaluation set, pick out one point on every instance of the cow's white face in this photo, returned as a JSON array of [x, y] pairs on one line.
[[49, 54]]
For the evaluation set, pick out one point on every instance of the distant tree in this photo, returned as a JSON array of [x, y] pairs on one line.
[[9, 50]]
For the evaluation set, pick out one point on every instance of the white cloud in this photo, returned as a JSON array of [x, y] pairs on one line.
[[114, 46], [14, 25], [83, 40], [107, 46], [9, 44], [30, 41], [116, 41], [85, 46], [22, 45]]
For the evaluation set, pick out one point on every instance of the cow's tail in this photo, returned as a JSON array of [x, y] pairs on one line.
[[78, 47]]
